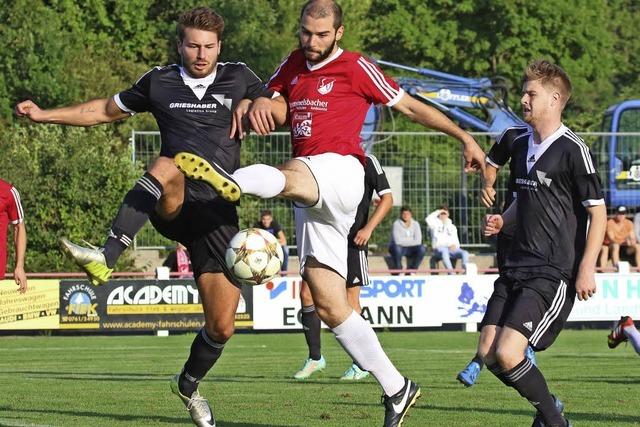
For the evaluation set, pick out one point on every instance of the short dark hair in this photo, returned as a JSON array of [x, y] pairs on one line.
[[405, 209], [200, 18], [322, 9], [444, 207], [549, 74], [265, 212]]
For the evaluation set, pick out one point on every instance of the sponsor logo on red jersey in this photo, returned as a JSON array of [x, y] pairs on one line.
[[325, 85], [301, 125]]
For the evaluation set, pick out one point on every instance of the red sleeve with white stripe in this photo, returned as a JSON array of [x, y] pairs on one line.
[[370, 81], [279, 81], [15, 212]]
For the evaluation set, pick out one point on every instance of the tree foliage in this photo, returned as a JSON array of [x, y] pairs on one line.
[[59, 52]]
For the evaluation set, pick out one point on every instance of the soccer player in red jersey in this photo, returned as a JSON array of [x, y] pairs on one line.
[[327, 91], [11, 212]]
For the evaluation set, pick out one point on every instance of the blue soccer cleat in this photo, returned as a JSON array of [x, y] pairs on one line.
[[469, 375], [354, 373], [530, 354], [310, 367]]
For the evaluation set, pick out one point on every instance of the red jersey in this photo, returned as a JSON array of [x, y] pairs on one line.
[[10, 212], [329, 101]]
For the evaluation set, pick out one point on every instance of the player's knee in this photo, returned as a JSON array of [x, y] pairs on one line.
[[220, 332], [165, 171], [507, 358]]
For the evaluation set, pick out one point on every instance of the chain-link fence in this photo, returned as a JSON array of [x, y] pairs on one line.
[[425, 170]]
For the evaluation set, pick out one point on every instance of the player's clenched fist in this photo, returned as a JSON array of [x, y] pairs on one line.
[[492, 225], [29, 109]]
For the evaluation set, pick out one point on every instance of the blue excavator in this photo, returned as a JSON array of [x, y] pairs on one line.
[[480, 104]]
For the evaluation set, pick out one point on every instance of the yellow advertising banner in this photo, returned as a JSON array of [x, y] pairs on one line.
[[38, 308]]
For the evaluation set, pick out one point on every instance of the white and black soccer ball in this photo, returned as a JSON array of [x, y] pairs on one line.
[[254, 256]]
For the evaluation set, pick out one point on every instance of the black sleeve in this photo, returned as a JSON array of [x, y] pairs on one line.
[[276, 227], [171, 261], [501, 151], [376, 176], [585, 180], [255, 87], [136, 98]]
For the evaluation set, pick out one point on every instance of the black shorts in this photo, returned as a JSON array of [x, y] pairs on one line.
[[536, 307], [357, 267], [502, 291], [205, 225]]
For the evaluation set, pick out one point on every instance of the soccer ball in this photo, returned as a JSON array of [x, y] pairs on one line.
[[254, 256]]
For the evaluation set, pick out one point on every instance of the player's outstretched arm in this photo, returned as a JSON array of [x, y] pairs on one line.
[[20, 244], [364, 234], [585, 282], [434, 119], [94, 112], [488, 192]]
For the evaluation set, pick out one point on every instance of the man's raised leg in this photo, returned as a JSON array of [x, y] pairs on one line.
[[162, 183]]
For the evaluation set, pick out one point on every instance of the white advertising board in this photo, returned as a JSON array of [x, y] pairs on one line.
[[417, 301]]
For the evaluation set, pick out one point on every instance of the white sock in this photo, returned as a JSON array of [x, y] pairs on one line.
[[361, 343], [263, 181], [634, 336]]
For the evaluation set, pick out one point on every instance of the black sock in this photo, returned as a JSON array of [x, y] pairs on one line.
[[204, 354], [478, 360], [134, 212], [499, 373], [527, 379], [311, 327]]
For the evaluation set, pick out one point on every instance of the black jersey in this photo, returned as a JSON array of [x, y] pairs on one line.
[[552, 221], [194, 115], [500, 153], [374, 180]]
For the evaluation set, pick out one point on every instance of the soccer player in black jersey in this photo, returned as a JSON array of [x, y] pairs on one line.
[[192, 104], [498, 156], [357, 268], [558, 220]]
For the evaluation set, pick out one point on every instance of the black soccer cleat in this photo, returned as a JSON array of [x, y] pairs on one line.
[[396, 406], [538, 421]]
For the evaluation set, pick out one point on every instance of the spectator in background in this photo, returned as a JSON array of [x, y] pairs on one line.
[[11, 212], [406, 240], [620, 234], [269, 224], [444, 239], [178, 261]]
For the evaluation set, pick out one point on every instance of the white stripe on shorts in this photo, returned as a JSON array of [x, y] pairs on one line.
[[551, 314]]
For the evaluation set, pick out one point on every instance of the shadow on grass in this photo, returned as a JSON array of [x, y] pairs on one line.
[[607, 380], [127, 417], [572, 415]]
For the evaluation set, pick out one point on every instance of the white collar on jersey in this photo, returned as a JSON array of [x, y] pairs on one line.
[[313, 67], [536, 150], [198, 86]]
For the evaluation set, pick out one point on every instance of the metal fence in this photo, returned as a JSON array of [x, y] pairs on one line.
[[425, 169]]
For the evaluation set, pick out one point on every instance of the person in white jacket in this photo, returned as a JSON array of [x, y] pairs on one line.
[[444, 239]]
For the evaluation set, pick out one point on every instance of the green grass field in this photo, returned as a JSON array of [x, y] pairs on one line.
[[123, 381]]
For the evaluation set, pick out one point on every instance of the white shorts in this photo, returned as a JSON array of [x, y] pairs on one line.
[[322, 229]]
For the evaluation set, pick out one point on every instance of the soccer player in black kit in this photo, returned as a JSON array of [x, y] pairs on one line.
[[192, 104], [558, 220]]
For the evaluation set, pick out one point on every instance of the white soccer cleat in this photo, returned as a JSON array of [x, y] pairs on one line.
[[198, 406]]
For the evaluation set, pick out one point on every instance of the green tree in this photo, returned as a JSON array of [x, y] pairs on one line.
[[71, 182]]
